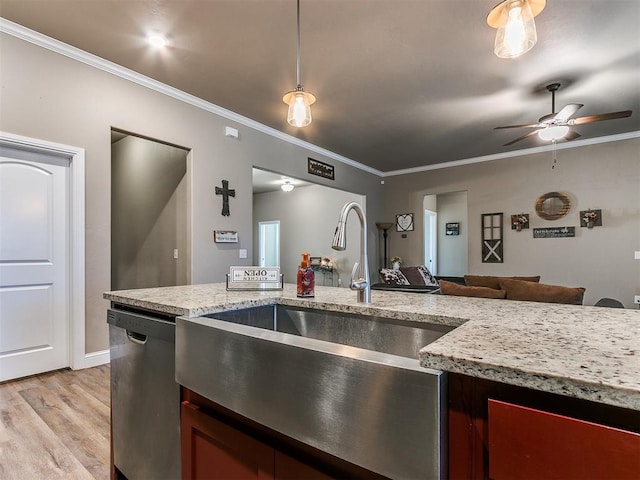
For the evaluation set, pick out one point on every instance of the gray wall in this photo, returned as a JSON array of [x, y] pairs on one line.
[[148, 214], [452, 249], [308, 218], [602, 176], [52, 97]]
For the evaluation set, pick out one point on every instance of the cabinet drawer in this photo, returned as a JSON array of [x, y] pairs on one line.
[[531, 444]]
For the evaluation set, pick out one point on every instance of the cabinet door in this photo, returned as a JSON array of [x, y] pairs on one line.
[[532, 444], [212, 449], [288, 468]]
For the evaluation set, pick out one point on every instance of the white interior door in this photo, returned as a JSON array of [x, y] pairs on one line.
[[34, 299], [269, 243], [431, 241]]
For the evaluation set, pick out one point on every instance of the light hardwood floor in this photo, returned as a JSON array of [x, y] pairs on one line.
[[55, 426]]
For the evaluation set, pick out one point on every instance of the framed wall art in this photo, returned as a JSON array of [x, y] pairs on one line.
[[404, 222], [492, 246], [452, 229]]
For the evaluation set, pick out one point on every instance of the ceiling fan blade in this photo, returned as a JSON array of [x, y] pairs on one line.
[[599, 117], [521, 138], [531, 125], [567, 111], [571, 135]]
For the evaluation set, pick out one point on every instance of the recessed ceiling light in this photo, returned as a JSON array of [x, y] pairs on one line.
[[157, 40]]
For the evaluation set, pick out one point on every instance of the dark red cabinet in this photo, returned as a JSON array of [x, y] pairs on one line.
[[220, 445], [499, 431], [214, 450], [526, 443]]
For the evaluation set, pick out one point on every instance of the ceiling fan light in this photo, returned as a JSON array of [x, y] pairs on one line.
[[554, 132], [299, 101], [286, 186], [516, 33]]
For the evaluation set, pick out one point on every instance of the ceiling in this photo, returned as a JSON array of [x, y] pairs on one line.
[[400, 84]]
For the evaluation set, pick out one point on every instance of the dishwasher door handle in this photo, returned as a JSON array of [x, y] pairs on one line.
[[136, 337]]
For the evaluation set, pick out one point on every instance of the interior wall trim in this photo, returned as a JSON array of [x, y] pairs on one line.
[[37, 38], [94, 359], [516, 153]]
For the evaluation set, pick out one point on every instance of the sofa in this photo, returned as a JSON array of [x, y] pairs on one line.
[[525, 288]]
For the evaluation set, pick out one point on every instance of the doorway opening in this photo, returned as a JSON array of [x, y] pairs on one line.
[[446, 250], [431, 241], [149, 213], [36, 336], [269, 243]]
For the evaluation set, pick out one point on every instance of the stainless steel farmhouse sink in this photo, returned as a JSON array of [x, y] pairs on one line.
[[349, 385]]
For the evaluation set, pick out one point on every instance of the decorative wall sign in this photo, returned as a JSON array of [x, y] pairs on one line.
[[591, 218], [225, 236], [492, 241], [226, 193], [320, 169], [404, 222], [452, 229], [520, 222], [554, 232]]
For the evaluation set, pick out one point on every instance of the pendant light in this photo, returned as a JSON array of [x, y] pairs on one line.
[[287, 186], [516, 28], [299, 101]]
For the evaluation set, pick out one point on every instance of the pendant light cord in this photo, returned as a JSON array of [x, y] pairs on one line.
[[298, 49]]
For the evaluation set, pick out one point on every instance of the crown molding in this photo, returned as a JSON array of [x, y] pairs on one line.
[[36, 38], [515, 153]]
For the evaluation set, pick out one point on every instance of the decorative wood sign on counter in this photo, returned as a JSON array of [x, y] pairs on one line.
[[554, 232], [254, 278], [320, 169]]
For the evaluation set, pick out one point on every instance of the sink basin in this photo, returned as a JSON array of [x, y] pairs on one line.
[[369, 332], [349, 385]]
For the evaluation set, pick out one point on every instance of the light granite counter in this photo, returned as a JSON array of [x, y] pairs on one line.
[[591, 353]]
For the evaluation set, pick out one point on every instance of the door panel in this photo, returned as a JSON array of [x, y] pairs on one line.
[[33, 267]]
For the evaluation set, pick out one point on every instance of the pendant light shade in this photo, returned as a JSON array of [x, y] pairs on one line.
[[516, 28], [554, 132], [286, 186], [299, 101]]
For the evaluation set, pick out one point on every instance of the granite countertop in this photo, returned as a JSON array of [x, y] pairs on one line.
[[592, 353]]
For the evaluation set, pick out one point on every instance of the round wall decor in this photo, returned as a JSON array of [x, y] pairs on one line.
[[553, 205]]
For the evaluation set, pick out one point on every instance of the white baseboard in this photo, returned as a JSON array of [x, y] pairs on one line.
[[93, 359]]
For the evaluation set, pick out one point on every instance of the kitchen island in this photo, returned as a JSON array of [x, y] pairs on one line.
[[583, 354]]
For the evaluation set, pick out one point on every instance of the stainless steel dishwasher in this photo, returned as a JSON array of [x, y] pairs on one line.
[[145, 398]]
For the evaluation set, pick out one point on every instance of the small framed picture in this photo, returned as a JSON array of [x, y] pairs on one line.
[[315, 261], [404, 222], [452, 229]]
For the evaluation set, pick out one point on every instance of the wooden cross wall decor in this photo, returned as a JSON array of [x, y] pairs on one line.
[[226, 192]]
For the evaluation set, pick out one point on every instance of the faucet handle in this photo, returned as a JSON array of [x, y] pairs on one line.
[[354, 271], [357, 284]]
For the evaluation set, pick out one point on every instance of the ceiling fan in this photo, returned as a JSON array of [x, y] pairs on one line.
[[555, 126]]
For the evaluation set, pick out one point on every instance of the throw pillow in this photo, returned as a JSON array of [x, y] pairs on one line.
[[393, 277], [492, 281], [540, 292], [419, 275], [450, 288]]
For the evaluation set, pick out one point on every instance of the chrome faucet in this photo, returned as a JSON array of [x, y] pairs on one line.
[[360, 280]]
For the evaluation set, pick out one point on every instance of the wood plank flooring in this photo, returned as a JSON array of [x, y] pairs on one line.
[[56, 426]]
